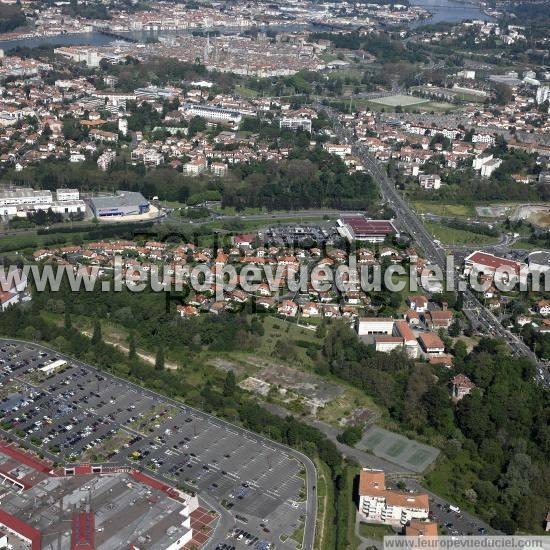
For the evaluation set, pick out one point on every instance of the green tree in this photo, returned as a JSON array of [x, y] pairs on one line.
[[351, 435], [230, 384], [96, 336], [132, 353], [454, 329], [67, 321], [159, 359]]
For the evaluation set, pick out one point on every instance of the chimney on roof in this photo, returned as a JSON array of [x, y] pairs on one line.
[[444, 306]]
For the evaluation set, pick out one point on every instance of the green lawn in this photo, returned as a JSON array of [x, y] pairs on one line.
[[449, 235], [245, 92], [324, 535], [436, 106], [376, 532], [451, 210], [524, 244]]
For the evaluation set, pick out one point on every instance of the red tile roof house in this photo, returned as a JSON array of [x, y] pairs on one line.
[[7, 299], [431, 343], [187, 311], [444, 360], [244, 241], [438, 319], [417, 528], [412, 318], [265, 302], [461, 386], [310, 309], [418, 303], [288, 308], [545, 327], [263, 290]]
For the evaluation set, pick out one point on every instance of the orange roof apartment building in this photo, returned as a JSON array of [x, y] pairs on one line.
[[380, 505]]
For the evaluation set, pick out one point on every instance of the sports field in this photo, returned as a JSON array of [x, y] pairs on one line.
[[398, 449], [399, 100]]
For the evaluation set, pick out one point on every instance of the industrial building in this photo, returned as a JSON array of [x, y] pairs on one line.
[[359, 228], [86, 506], [123, 203], [19, 201]]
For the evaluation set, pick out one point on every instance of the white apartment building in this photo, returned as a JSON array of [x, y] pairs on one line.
[[486, 165], [219, 169], [543, 94], [106, 159], [295, 123], [466, 74], [380, 505], [489, 167], [214, 114], [429, 181], [483, 138], [338, 150], [195, 166], [63, 195]]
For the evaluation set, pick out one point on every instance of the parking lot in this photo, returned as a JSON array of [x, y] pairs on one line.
[[79, 414]]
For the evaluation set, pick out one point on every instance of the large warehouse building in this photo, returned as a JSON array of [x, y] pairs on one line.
[[123, 203], [358, 228], [19, 201], [85, 507]]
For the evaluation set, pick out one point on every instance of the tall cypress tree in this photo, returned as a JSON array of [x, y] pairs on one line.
[[159, 360], [96, 336], [132, 353]]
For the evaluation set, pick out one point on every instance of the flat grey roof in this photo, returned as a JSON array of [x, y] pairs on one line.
[[122, 198]]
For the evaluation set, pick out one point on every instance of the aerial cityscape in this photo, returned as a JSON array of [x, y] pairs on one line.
[[275, 275]]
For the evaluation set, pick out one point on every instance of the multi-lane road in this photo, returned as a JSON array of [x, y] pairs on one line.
[[480, 317]]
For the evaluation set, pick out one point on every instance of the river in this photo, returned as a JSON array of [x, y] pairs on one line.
[[448, 11], [451, 11]]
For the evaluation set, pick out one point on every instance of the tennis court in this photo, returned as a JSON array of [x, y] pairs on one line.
[[397, 448]]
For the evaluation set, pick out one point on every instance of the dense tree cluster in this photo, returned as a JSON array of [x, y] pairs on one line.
[[496, 440], [307, 179], [11, 17]]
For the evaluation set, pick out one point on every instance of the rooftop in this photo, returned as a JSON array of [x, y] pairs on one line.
[[111, 509], [361, 226], [122, 198]]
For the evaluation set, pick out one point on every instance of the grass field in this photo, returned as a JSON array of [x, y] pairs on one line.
[[449, 235], [399, 100], [324, 535], [376, 532], [245, 92], [454, 210], [425, 106]]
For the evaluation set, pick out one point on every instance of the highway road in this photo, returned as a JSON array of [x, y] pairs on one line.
[[480, 317]]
